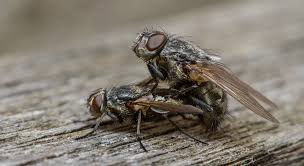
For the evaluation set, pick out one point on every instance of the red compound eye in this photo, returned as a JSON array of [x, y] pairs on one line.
[[96, 105], [156, 41]]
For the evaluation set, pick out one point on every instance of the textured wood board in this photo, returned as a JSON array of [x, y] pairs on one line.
[[42, 93]]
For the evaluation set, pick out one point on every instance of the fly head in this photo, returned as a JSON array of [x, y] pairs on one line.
[[148, 44], [97, 102]]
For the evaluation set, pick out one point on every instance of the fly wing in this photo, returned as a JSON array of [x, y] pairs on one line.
[[248, 88], [224, 78], [170, 107]]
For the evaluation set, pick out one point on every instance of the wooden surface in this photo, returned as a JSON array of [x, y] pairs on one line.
[[42, 93]]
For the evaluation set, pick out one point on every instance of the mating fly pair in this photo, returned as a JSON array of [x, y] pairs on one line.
[[198, 84]]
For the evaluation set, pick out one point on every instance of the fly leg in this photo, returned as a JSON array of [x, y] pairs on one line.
[[145, 82], [183, 132], [197, 101], [194, 100], [204, 106], [155, 72], [148, 81], [138, 136], [98, 121], [183, 91], [173, 92], [200, 103]]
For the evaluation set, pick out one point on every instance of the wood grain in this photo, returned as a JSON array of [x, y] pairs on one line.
[[42, 93]]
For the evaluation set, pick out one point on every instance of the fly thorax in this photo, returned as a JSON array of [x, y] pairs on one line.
[[198, 78], [176, 72]]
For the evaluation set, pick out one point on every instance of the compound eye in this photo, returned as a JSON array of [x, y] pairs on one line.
[[155, 42], [96, 104]]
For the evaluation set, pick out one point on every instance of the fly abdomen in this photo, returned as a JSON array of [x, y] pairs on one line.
[[208, 96]]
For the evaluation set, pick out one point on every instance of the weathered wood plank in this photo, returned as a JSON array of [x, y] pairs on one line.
[[42, 93]]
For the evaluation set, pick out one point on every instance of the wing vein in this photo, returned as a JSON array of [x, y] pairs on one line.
[[238, 89]]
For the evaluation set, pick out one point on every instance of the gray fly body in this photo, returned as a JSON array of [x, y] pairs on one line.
[[181, 50]]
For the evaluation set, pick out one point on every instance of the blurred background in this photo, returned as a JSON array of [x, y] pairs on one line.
[[40, 24], [28, 25]]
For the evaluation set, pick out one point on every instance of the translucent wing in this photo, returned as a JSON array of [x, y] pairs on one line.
[[224, 78], [170, 107]]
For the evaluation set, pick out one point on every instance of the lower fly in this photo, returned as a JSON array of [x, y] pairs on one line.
[[139, 103]]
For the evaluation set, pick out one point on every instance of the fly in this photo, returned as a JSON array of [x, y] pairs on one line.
[[136, 103], [181, 63]]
